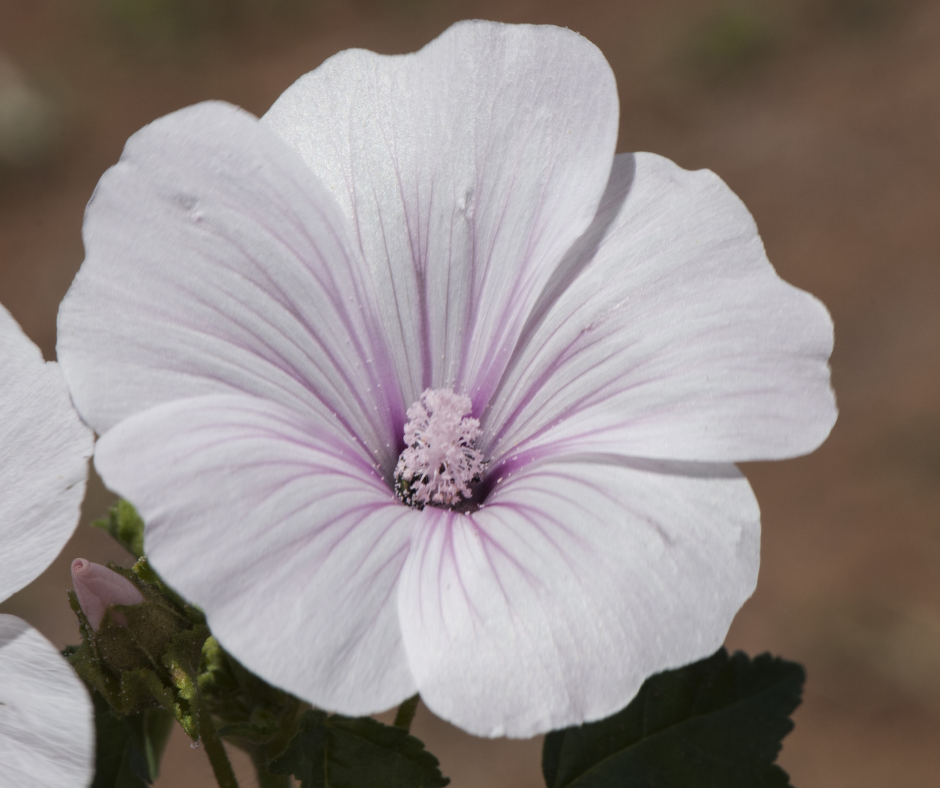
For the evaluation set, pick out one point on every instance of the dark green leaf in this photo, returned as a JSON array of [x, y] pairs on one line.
[[128, 749], [260, 728], [345, 752], [717, 723]]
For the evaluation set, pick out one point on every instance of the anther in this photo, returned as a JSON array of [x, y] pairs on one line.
[[439, 463]]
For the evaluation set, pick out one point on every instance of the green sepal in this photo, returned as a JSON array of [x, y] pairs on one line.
[[345, 752], [88, 664], [181, 659], [125, 526], [128, 749], [153, 587], [149, 630], [141, 689], [717, 723]]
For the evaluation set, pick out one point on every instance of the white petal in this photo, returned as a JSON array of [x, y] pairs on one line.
[[44, 451], [468, 169], [576, 581], [47, 734], [282, 532], [216, 262], [677, 340]]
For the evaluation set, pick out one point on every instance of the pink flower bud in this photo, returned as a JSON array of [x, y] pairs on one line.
[[97, 588]]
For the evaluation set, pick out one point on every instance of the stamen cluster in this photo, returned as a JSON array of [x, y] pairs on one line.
[[439, 462]]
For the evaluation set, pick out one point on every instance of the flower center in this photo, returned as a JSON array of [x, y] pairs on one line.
[[439, 462]]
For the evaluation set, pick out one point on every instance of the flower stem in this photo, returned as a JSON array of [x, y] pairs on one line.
[[218, 758], [406, 712]]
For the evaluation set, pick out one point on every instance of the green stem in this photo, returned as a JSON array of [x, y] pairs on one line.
[[218, 758], [406, 712]]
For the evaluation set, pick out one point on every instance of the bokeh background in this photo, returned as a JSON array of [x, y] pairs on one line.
[[823, 115]]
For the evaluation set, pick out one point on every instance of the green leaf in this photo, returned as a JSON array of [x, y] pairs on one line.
[[345, 752], [128, 749], [124, 525], [717, 723]]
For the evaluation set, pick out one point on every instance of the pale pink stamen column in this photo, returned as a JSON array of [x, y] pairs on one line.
[[440, 461]]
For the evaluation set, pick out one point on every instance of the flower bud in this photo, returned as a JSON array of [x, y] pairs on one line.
[[98, 587]]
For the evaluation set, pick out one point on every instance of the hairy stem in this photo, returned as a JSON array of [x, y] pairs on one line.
[[406, 712], [218, 758]]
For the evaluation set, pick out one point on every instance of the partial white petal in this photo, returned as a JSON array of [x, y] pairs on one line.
[[575, 582], [676, 339], [216, 262], [47, 733], [468, 169], [44, 451], [283, 532]]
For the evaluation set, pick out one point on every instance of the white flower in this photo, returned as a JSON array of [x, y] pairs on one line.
[[263, 302], [46, 726]]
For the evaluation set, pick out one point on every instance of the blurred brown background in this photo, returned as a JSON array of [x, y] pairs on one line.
[[823, 115]]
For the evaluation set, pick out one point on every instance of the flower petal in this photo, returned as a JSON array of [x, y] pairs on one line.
[[668, 334], [282, 531], [44, 451], [46, 723], [468, 169], [216, 262], [575, 582]]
